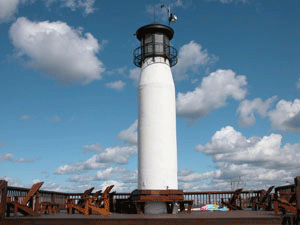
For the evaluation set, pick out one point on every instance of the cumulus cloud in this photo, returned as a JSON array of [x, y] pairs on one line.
[[111, 155], [7, 9], [92, 148], [10, 157], [120, 70], [190, 57], [229, 145], [286, 115], [134, 74], [11, 181], [212, 94], [121, 176], [247, 108], [117, 154], [119, 186], [72, 168], [117, 85], [58, 50], [230, 1], [86, 5], [6, 157], [250, 163], [188, 175], [129, 136], [108, 173]]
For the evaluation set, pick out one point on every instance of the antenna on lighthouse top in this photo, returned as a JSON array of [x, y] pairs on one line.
[[172, 16]]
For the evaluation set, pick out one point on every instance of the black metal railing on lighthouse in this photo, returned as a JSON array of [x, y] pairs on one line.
[[154, 49]]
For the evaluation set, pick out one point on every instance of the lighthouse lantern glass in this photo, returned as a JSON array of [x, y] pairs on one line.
[[156, 44], [159, 44]]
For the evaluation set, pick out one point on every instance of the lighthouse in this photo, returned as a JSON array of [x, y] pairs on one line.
[[157, 144]]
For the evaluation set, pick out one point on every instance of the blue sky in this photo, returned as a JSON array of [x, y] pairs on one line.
[[68, 92]]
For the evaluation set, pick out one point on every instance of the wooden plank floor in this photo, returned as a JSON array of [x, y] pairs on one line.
[[203, 218]]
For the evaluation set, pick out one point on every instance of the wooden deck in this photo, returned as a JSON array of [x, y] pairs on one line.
[[196, 217]]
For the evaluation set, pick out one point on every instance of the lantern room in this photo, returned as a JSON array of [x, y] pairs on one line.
[[155, 42]]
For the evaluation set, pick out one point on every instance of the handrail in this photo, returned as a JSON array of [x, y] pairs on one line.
[[153, 49], [199, 198]]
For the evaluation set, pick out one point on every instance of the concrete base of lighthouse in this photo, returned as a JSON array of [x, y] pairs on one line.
[[155, 208]]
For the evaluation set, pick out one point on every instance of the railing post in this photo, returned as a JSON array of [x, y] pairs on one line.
[[209, 198], [53, 197], [297, 190], [3, 189], [37, 199]]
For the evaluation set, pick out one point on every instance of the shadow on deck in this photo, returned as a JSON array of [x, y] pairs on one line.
[[203, 218]]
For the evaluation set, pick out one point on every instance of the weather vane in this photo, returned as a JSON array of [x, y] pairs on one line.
[[172, 16]]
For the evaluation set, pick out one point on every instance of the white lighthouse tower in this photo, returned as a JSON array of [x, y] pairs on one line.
[[157, 145]]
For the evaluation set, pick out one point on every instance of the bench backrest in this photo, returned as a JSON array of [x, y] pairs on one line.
[[33, 190], [235, 196]]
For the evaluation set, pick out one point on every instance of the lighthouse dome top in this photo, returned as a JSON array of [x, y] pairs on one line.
[[154, 28]]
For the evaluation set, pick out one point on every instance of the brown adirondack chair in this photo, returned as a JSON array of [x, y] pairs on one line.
[[87, 205], [71, 206], [231, 203], [264, 201], [287, 198], [94, 205], [26, 206]]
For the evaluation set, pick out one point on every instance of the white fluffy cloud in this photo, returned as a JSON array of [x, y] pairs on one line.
[[87, 5], [10, 157], [6, 157], [119, 186], [212, 94], [286, 115], [247, 108], [230, 1], [58, 50], [7, 9], [190, 57], [117, 85], [11, 181], [129, 136], [188, 175], [92, 148], [229, 145], [117, 154], [134, 74], [124, 180], [90, 164], [250, 163]]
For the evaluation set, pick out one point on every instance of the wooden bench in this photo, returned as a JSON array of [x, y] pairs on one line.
[[170, 197]]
